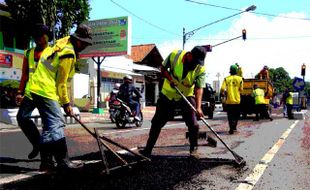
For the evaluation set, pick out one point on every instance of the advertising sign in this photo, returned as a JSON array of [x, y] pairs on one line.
[[6, 60], [111, 37]]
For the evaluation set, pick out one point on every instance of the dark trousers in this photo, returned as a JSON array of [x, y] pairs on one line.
[[28, 127], [289, 108], [164, 112], [135, 106], [261, 111], [233, 115]]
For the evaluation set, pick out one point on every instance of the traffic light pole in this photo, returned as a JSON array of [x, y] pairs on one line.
[[189, 34]]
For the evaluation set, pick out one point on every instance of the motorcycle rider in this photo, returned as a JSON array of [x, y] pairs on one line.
[[129, 94], [113, 93]]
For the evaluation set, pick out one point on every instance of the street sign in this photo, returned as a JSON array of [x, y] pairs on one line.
[[298, 84]]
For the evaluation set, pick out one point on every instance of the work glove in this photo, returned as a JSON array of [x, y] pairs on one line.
[[68, 109]]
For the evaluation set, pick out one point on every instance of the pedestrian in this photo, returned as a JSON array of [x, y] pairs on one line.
[[48, 89], [288, 100], [261, 106], [231, 88], [186, 71], [41, 35]]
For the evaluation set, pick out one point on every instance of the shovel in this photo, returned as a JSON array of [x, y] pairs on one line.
[[239, 160]]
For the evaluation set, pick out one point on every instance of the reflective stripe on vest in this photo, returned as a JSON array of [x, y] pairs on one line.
[[259, 96], [185, 85], [44, 79]]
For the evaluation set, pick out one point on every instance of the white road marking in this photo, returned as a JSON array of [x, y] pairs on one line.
[[260, 168]]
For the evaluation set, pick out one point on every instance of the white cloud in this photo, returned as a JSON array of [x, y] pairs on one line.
[[276, 42]]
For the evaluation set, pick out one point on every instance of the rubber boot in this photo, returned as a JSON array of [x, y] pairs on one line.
[[47, 163], [60, 152], [193, 139]]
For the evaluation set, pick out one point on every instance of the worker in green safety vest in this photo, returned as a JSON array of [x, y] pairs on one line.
[[186, 71], [48, 89]]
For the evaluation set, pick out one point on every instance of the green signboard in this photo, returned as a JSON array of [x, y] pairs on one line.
[[111, 37]]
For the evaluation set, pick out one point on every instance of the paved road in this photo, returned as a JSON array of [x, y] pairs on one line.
[[277, 155]]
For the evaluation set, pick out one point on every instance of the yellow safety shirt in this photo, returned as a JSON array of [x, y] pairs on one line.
[[233, 84]]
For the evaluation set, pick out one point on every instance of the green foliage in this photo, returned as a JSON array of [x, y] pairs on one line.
[[10, 84], [280, 79], [62, 15]]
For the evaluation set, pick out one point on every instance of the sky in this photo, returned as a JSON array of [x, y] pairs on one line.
[[278, 31]]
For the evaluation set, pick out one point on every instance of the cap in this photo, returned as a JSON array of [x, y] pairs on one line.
[[233, 69], [40, 30], [199, 54], [83, 33]]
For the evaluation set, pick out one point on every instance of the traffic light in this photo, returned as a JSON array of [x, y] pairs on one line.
[[244, 34], [303, 70]]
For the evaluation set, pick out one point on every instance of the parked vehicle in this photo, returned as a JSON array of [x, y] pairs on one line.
[[122, 114]]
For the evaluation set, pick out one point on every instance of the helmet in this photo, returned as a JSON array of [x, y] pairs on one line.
[[233, 69], [265, 67], [117, 85], [128, 77]]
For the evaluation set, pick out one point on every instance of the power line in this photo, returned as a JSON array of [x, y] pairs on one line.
[[259, 13], [142, 19]]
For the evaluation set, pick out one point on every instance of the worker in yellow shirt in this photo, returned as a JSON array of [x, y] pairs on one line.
[[261, 105], [231, 88]]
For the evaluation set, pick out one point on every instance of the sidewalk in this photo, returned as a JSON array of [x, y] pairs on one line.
[[89, 117]]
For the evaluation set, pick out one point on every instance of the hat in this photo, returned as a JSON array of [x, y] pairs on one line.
[[40, 30], [199, 54], [233, 69], [83, 33]]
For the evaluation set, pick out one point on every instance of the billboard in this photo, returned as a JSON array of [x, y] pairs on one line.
[[6, 60], [111, 37]]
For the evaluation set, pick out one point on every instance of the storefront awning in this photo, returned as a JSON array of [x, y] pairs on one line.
[[144, 68], [122, 71]]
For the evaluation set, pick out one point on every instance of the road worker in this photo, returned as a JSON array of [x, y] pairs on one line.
[[264, 73], [261, 106], [186, 71], [41, 35], [48, 89], [231, 88]]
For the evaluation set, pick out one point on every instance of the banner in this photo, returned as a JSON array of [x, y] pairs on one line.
[[111, 37]]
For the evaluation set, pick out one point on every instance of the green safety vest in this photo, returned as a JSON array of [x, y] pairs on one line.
[[186, 85], [259, 96], [289, 99], [43, 80], [31, 68]]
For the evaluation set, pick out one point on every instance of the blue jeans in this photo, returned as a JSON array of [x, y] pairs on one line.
[[135, 106], [52, 119], [28, 127]]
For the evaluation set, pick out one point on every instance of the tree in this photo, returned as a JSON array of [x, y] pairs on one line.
[[280, 79], [61, 15]]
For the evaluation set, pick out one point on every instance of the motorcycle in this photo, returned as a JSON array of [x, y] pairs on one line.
[[112, 109], [123, 114]]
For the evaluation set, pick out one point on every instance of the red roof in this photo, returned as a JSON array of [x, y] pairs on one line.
[[139, 52]]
